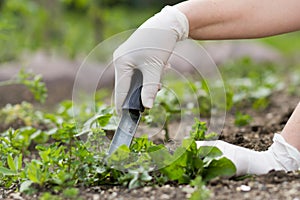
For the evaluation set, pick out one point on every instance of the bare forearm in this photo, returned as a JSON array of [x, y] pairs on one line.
[[291, 129], [238, 19]]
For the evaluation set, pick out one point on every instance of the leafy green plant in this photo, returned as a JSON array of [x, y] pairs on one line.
[[170, 105], [242, 119], [58, 164], [69, 193], [199, 131], [11, 173], [39, 25], [201, 192], [248, 83], [294, 82], [188, 162], [59, 152], [23, 115], [167, 101], [32, 82]]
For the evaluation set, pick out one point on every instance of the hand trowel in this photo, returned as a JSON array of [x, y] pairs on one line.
[[131, 114]]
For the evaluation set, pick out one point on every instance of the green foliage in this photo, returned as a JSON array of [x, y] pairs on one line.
[[139, 178], [47, 150], [14, 165], [199, 130], [23, 114], [65, 162], [188, 162], [70, 27], [294, 81], [69, 193], [286, 43], [170, 104], [242, 119], [168, 108], [201, 89], [33, 82], [201, 192], [248, 83]]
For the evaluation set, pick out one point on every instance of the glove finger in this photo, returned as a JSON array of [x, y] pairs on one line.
[[151, 83], [122, 85]]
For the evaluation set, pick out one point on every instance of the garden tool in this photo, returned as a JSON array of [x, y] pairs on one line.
[[131, 113]]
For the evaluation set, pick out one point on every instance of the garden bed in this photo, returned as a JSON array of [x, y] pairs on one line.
[[257, 135]]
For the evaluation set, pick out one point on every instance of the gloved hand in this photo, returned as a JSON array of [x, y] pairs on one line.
[[279, 156], [148, 49]]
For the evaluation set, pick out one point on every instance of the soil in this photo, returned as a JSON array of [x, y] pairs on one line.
[[258, 135]]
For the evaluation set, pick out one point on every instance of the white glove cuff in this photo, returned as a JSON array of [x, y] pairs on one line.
[[182, 25], [169, 18], [285, 153]]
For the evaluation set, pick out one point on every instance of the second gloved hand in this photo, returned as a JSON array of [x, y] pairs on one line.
[[279, 156], [148, 49]]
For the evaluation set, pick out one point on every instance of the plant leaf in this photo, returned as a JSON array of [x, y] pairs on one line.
[[25, 185], [209, 152], [20, 160], [7, 172], [11, 163], [173, 172], [219, 167]]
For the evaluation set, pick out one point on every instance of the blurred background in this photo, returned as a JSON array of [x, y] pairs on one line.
[[70, 27], [52, 37]]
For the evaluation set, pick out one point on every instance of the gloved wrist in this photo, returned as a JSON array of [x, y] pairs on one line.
[[285, 154], [169, 18], [279, 156]]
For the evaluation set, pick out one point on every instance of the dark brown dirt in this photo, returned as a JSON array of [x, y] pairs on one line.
[[275, 185], [258, 135]]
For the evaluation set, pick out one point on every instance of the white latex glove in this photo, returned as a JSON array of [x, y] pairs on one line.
[[148, 49], [279, 156]]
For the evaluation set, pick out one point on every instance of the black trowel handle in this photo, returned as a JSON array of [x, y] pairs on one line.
[[131, 113], [133, 99]]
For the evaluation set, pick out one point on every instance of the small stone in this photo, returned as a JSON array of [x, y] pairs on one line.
[[96, 197], [114, 194], [167, 186], [147, 189], [244, 188], [164, 196], [152, 198], [110, 190], [188, 189], [188, 195], [16, 196], [134, 192]]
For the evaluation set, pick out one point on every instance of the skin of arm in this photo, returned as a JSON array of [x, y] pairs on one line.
[[244, 19], [291, 130], [240, 19]]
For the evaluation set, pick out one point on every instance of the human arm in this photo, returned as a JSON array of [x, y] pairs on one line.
[[206, 19], [232, 19]]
